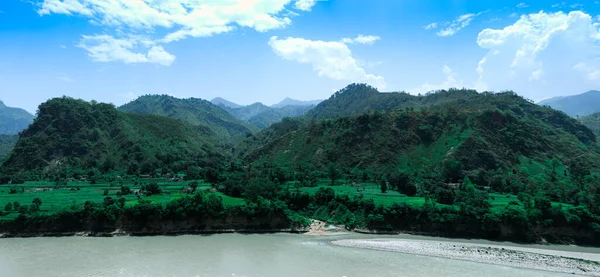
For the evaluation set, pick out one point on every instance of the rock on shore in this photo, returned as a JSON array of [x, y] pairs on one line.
[[478, 253]]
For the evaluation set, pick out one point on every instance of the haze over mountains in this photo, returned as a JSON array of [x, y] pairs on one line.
[[13, 120], [576, 105], [262, 116]]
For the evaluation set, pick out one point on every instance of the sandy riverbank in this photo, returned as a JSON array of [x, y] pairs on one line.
[[555, 261]]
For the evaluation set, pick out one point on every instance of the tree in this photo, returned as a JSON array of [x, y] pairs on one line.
[[153, 189], [383, 186], [333, 172], [193, 186], [16, 205], [8, 207], [125, 190], [37, 202]]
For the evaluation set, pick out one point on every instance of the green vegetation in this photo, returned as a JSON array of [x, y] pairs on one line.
[[13, 120], [7, 142], [453, 163], [592, 121], [73, 139], [197, 112], [576, 105]]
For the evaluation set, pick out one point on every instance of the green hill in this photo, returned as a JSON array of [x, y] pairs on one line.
[[194, 111], [262, 116], [447, 135], [13, 120], [576, 105], [7, 142], [592, 121], [73, 137]]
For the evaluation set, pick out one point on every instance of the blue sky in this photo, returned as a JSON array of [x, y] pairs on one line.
[[266, 50]]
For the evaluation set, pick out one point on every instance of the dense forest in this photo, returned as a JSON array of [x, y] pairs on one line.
[[73, 138], [453, 162]]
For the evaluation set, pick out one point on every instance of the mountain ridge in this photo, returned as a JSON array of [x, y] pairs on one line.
[[576, 105], [13, 120]]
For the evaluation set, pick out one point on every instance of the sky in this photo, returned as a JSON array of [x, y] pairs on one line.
[[250, 51]]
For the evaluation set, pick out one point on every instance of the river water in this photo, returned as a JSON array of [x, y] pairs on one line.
[[228, 255]]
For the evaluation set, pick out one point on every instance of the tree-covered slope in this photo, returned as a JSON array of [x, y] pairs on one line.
[[7, 142], [576, 105], [483, 136], [223, 103], [293, 102], [592, 121], [262, 116], [194, 111], [13, 120], [73, 136]]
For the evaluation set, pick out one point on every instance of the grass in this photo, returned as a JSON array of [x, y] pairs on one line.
[[56, 199]]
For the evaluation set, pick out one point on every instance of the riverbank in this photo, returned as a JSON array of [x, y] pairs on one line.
[[481, 253]]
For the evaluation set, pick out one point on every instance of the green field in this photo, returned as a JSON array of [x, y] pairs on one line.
[[56, 199]]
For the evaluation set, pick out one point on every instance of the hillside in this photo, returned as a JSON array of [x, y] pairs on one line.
[[592, 121], [7, 142], [194, 111], [13, 120], [452, 134], [293, 102], [576, 105], [262, 116], [73, 137], [224, 103]]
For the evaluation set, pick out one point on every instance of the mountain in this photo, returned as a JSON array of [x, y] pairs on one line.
[[194, 111], [576, 105], [262, 116], [360, 98], [447, 136], [13, 120], [7, 142], [592, 121], [224, 103], [292, 102], [76, 137]]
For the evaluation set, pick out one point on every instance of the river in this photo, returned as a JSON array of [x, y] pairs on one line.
[[232, 255]]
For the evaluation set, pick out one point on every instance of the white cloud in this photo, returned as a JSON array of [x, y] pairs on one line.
[[431, 26], [331, 59], [456, 25], [130, 95], [174, 19], [64, 78], [105, 48], [576, 5], [63, 46], [514, 15], [305, 5], [362, 39], [542, 55], [450, 82], [522, 6], [560, 5]]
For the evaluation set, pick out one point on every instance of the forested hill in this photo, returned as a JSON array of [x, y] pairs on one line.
[[7, 142], [194, 111], [13, 120], [576, 105], [453, 134], [592, 121], [73, 137]]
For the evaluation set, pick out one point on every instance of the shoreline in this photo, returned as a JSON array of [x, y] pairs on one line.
[[517, 257]]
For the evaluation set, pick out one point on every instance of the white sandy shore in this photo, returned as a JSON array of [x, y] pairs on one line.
[[521, 257]]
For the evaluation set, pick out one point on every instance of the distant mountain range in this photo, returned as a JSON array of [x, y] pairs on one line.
[[292, 102], [262, 116], [13, 120], [576, 105]]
